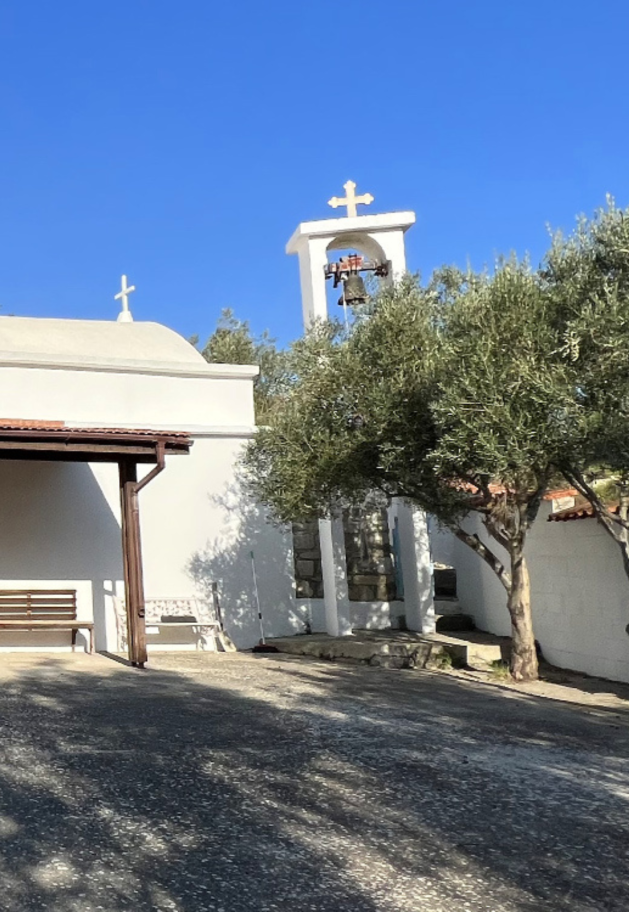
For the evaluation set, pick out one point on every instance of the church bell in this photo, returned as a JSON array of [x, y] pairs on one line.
[[355, 292]]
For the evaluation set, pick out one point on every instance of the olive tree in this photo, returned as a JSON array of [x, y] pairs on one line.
[[232, 342], [587, 274], [447, 397]]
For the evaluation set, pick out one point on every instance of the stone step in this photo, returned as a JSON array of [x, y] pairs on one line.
[[459, 621], [393, 649], [447, 606], [406, 650], [471, 653]]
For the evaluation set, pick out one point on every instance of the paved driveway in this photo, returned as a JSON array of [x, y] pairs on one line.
[[239, 783]]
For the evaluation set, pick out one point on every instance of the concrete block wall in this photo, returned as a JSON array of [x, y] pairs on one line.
[[580, 594]]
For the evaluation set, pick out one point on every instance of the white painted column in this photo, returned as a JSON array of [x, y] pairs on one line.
[[419, 606], [392, 244], [334, 571], [313, 258]]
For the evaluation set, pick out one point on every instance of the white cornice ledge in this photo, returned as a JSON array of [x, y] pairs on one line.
[[365, 224], [113, 366]]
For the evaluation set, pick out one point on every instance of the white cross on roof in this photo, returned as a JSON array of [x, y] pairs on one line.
[[123, 295]]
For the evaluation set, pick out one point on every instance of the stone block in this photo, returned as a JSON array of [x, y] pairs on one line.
[[365, 579], [309, 589], [303, 541], [383, 589], [300, 527], [362, 593], [304, 568], [303, 589]]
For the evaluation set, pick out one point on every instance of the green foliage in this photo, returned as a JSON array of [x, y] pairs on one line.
[[356, 415], [446, 383], [588, 277], [500, 670], [232, 343], [503, 405]]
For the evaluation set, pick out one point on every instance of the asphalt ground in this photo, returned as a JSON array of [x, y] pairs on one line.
[[234, 782]]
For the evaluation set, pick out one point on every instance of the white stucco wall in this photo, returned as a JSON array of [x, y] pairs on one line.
[[580, 595], [197, 528], [62, 523]]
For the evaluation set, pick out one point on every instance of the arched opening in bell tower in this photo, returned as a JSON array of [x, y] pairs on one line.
[[362, 259]]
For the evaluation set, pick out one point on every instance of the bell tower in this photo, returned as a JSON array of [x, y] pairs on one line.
[[378, 238], [379, 241]]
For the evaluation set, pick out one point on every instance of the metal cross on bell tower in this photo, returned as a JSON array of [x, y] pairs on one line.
[[350, 200]]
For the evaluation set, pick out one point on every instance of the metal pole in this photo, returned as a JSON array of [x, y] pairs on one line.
[[345, 310], [257, 597]]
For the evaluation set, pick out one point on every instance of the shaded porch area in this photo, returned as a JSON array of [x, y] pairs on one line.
[[38, 491]]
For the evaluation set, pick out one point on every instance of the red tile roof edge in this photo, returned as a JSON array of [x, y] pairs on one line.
[[580, 511], [61, 428], [500, 489]]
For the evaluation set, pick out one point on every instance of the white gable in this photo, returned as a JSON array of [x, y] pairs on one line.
[[94, 344]]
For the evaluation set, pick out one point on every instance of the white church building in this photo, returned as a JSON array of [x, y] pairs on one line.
[[88, 409]]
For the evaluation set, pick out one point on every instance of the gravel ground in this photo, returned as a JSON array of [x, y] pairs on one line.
[[235, 783]]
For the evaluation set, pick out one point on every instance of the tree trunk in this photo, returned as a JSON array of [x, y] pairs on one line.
[[524, 665]]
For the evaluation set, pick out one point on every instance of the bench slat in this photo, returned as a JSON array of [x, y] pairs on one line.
[[25, 624], [39, 616], [26, 592], [43, 598], [38, 605], [42, 601]]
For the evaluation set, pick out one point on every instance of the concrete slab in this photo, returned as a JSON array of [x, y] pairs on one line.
[[398, 649]]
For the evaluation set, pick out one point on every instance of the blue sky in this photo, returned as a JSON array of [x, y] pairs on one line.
[[181, 143]]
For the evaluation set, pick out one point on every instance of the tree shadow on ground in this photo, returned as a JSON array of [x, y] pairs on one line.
[[249, 784]]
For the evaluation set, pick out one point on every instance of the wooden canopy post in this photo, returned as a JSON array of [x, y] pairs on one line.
[[132, 551], [132, 563]]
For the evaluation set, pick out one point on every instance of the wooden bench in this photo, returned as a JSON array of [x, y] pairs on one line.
[[42, 609]]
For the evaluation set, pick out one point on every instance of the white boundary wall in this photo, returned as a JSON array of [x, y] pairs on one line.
[[580, 593]]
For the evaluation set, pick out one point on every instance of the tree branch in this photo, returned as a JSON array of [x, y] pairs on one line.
[[495, 531], [474, 542], [535, 502], [609, 520]]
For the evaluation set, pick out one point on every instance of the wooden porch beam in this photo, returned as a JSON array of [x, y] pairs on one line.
[[132, 552], [132, 563]]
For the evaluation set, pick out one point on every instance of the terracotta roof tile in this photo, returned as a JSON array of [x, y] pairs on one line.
[[579, 511], [500, 489], [61, 429]]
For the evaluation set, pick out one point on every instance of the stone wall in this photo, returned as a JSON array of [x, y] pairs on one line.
[[370, 569], [307, 556], [370, 572]]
